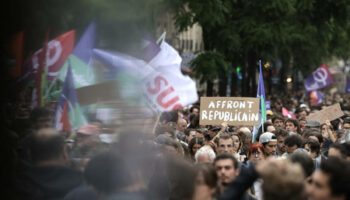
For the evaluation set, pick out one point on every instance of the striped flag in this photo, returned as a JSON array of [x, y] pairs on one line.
[[261, 95]]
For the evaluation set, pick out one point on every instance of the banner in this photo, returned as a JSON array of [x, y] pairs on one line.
[[58, 51], [319, 79], [233, 110], [329, 113], [163, 85]]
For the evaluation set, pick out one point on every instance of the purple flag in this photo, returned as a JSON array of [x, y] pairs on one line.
[[347, 90], [318, 79], [83, 50]]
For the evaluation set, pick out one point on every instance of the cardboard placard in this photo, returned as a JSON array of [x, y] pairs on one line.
[[106, 91], [329, 113], [233, 110]]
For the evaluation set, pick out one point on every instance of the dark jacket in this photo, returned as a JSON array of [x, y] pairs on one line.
[[237, 189], [49, 182]]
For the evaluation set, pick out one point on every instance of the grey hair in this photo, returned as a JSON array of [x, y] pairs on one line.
[[206, 149]]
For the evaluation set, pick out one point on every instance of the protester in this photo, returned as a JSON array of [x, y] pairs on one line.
[[278, 121], [225, 144], [205, 155], [281, 135], [292, 143], [332, 181], [205, 186], [269, 141], [48, 176], [195, 144], [292, 125]]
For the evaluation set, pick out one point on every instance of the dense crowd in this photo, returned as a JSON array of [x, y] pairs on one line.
[[174, 157]]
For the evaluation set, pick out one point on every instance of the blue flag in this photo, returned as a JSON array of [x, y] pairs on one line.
[[347, 90], [68, 115], [261, 95], [81, 59]]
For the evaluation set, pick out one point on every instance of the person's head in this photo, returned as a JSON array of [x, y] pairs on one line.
[[190, 133], [282, 180], [195, 144], [108, 173], [331, 181], [281, 135], [346, 124], [41, 117], [301, 113], [337, 150], [168, 143], [278, 121], [213, 131], [292, 125], [237, 142], [205, 155], [206, 181], [246, 136], [225, 144], [302, 122], [194, 109], [166, 130], [268, 127], [269, 141], [313, 147], [305, 161], [181, 125], [313, 133], [226, 166], [324, 130], [47, 147], [256, 153], [293, 142]]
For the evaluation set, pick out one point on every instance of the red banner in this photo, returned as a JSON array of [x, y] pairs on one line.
[[58, 51]]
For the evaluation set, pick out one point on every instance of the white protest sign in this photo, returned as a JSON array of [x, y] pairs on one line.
[[233, 110]]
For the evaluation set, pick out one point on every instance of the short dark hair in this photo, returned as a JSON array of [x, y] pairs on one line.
[[223, 136], [46, 144], [188, 130], [340, 148], [313, 132], [295, 122], [305, 162], [107, 172], [293, 140], [226, 156], [275, 117], [339, 175], [314, 145], [280, 132]]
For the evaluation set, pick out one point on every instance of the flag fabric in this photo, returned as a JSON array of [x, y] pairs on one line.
[[58, 51], [347, 89], [41, 76], [16, 50], [164, 87], [320, 78], [316, 98], [286, 113], [81, 60], [261, 95], [69, 116]]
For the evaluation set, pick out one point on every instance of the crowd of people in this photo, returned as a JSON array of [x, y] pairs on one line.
[[174, 157]]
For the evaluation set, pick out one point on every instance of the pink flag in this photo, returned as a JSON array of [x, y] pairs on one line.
[[286, 113]]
